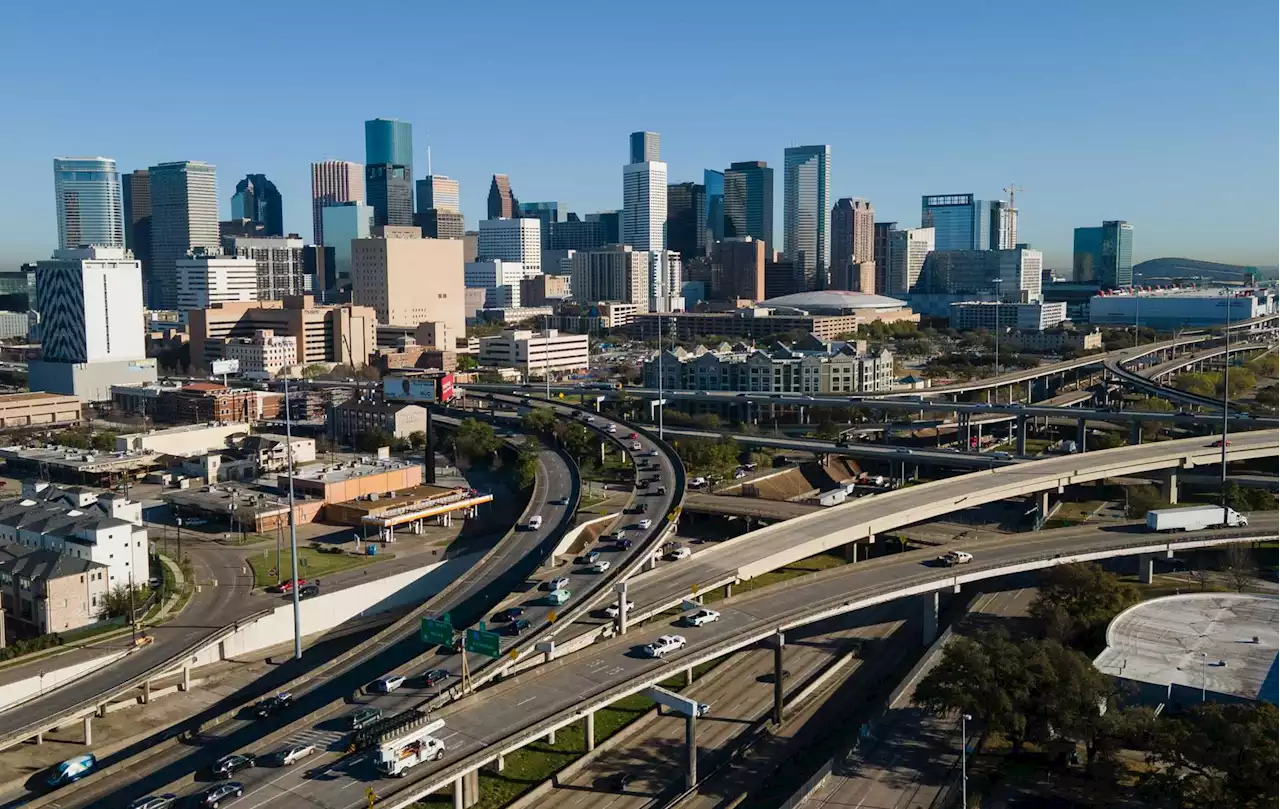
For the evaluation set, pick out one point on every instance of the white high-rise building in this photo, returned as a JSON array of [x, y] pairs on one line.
[[499, 279], [666, 279], [92, 323], [907, 251], [511, 240], [280, 263], [806, 213], [184, 216], [644, 195], [208, 278], [87, 192]]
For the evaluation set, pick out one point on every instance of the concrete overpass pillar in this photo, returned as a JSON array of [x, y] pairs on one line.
[[1044, 507], [1022, 435], [458, 799], [621, 589], [1135, 433], [688, 676], [146, 692], [929, 618], [551, 737], [589, 732], [1081, 435], [728, 590], [40, 737], [1169, 487], [88, 731], [501, 763], [102, 710], [779, 647], [1146, 565], [186, 678], [691, 745], [851, 552]]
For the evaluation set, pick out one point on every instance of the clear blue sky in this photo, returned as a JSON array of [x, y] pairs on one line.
[[1161, 112]]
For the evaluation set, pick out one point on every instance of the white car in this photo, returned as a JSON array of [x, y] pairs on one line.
[[664, 645], [558, 584], [387, 684], [294, 754], [613, 428], [612, 610], [953, 558], [636, 446], [679, 553], [701, 617], [645, 525], [600, 566]]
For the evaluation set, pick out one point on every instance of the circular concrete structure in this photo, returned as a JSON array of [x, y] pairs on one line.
[[835, 302]]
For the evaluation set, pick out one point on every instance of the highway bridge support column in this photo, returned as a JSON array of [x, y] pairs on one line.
[[186, 678], [1135, 433], [1022, 435], [621, 589], [1081, 435], [1146, 566], [779, 646], [691, 744], [1169, 487], [589, 731], [929, 618], [88, 731], [146, 692]]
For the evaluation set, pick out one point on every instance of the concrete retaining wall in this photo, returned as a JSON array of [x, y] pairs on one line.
[[21, 690]]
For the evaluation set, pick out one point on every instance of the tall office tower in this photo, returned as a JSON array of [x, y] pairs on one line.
[[806, 211], [610, 225], [437, 223], [1104, 255], [389, 192], [686, 219], [135, 189], [389, 142], [965, 223], [333, 182], [853, 238], [1015, 276], [907, 251], [577, 234], [511, 240], [257, 200], [713, 215], [206, 278], [666, 279], [184, 216], [613, 273], [748, 202], [882, 248], [438, 192], [737, 269], [87, 191], [279, 260], [645, 147], [92, 323], [409, 280], [644, 195], [502, 203], [345, 222], [547, 214], [317, 269]]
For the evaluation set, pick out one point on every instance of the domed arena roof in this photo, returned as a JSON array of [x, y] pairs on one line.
[[834, 300]]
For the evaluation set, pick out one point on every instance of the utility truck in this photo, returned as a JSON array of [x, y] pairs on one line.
[[410, 749], [1194, 518]]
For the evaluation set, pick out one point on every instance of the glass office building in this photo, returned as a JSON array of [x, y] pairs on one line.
[[1104, 255], [748, 201], [387, 140], [959, 221], [342, 223], [713, 182], [806, 226], [87, 190]]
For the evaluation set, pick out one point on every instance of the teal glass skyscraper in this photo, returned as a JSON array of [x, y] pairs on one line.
[[388, 159], [87, 191], [388, 141], [806, 212], [1104, 255]]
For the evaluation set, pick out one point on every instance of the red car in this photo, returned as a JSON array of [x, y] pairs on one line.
[[633, 436], [287, 586], [1221, 442]]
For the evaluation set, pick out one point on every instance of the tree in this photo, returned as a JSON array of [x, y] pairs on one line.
[[418, 439], [116, 602], [1239, 566], [372, 440], [1099, 441], [1086, 594], [1268, 365], [314, 371], [1215, 756], [475, 440], [1198, 384], [539, 420], [1268, 396], [578, 441], [827, 431], [705, 457], [527, 465], [466, 362], [1239, 382], [1141, 499], [1153, 404]]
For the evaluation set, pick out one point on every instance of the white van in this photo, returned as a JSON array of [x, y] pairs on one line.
[[535, 522]]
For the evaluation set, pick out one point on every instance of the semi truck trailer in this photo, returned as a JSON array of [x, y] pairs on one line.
[[1194, 518]]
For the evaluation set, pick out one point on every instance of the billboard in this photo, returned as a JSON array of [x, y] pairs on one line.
[[446, 388], [410, 388], [220, 367]]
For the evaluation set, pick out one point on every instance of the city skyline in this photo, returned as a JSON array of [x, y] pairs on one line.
[[1148, 157]]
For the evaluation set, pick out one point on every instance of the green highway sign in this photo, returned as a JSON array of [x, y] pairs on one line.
[[483, 642], [438, 631]]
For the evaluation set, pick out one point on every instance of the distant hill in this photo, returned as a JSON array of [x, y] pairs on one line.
[[1172, 269]]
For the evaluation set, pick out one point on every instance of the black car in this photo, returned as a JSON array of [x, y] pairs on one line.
[[622, 544], [218, 794], [272, 705], [517, 626], [232, 764], [434, 677], [309, 590], [509, 614]]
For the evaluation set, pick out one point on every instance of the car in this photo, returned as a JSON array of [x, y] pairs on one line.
[[155, 801], [234, 763], [216, 795], [591, 419], [509, 614], [273, 705], [364, 717], [641, 508], [702, 393], [600, 566], [632, 436], [635, 446], [309, 591], [613, 428], [71, 770], [560, 501], [953, 558], [591, 557], [662, 490], [739, 474], [294, 753], [700, 617], [1221, 442], [287, 586], [679, 553], [664, 646], [645, 524], [697, 482], [622, 544], [434, 677], [558, 584], [904, 450], [518, 626], [613, 609], [387, 684], [559, 596], [535, 522]]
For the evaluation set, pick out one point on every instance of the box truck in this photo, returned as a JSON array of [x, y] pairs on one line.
[[410, 749], [1194, 518]]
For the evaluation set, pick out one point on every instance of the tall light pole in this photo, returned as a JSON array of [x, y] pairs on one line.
[[999, 304], [1226, 403], [964, 759], [293, 527], [1204, 670], [546, 352], [660, 435]]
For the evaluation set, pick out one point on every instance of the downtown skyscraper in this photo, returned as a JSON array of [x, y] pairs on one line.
[[333, 182], [184, 216], [806, 212], [644, 195], [135, 193], [388, 170], [502, 203], [853, 245], [257, 200], [747, 202], [87, 192]]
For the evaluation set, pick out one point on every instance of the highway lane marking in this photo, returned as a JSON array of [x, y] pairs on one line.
[[523, 701]]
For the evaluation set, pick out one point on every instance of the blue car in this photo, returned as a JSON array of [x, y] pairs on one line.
[[73, 769]]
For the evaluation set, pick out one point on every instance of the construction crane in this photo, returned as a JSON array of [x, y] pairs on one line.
[[1012, 236], [1012, 189]]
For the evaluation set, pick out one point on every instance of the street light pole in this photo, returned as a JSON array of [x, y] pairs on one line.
[[1204, 664], [999, 303], [1226, 402], [546, 353], [293, 527], [660, 435], [964, 760]]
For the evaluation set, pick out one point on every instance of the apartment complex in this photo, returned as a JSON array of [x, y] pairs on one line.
[[48, 591], [809, 365], [344, 333], [408, 280], [615, 273]]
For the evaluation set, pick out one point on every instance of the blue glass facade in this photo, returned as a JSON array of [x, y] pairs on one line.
[[713, 181], [1104, 255], [960, 222]]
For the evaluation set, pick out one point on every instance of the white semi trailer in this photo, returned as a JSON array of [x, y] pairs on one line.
[[1194, 518]]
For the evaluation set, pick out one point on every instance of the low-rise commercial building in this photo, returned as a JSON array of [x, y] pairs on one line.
[[1171, 309], [39, 410], [263, 355], [809, 365], [189, 439], [49, 591], [206, 401], [397, 419], [338, 483], [999, 314], [343, 333], [535, 354], [1056, 341]]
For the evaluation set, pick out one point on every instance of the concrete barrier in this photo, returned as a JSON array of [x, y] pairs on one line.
[[23, 690]]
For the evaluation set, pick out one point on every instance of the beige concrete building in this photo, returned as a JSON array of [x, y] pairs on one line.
[[534, 353], [408, 279], [39, 409], [263, 355], [344, 333], [398, 419], [543, 290]]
